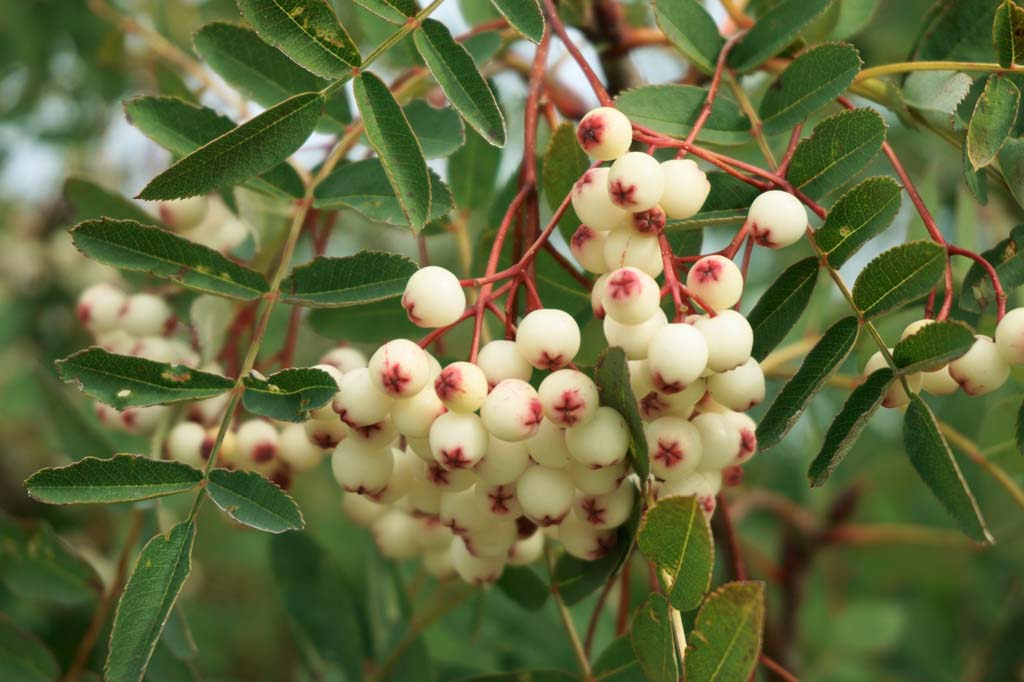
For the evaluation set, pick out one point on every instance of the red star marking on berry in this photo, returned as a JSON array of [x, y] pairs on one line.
[[569, 407], [448, 383], [622, 194], [732, 475], [325, 440], [708, 503], [550, 361], [394, 378], [438, 475], [587, 178], [594, 513], [748, 443], [650, 221], [708, 271], [170, 324], [499, 499], [410, 307], [129, 419], [455, 458], [84, 311], [551, 520], [652, 405], [625, 284], [525, 527], [534, 414], [264, 452], [665, 386], [590, 131], [206, 448], [367, 431], [669, 453], [605, 543], [762, 236], [579, 239]]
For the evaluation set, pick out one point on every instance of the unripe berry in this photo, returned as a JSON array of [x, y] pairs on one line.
[[605, 133], [635, 182], [344, 359], [406, 467], [777, 219], [634, 339], [449, 480], [702, 485], [747, 428], [362, 470], [606, 511], [597, 295], [498, 501], [492, 541], [982, 369], [568, 397], [584, 541], [461, 513], [146, 315], [296, 451], [258, 446], [729, 339], [501, 360], [399, 368], [527, 550], [626, 248], [716, 281], [474, 570], [433, 297], [648, 223], [327, 411], [599, 481], [185, 444], [374, 436], [547, 447], [504, 461], [1010, 336], [592, 202], [740, 388], [431, 535], [674, 447], [361, 510], [457, 440], [395, 535], [601, 442], [545, 494], [721, 441], [461, 386], [325, 433], [512, 410], [686, 188], [587, 247], [183, 214], [548, 338], [358, 402], [630, 296], [895, 396], [99, 306], [413, 416], [676, 356]]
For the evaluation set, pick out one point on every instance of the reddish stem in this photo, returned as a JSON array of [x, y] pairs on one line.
[[787, 158], [739, 571], [672, 282], [595, 83], [622, 620], [709, 101], [568, 266], [777, 668], [997, 285]]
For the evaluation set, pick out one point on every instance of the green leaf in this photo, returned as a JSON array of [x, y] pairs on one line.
[[956, 31], [366, 277], [618, 663], [307, 31], [673, 109], [726, 636], [456, 73], [23, 657], [129, 245], [774, 31], [392, 11], [564, 163], [367, 323], [652, 640], [365, 186], [780, 307], [124, 381], [522, 585], [524, 16], [863, 212], [79, 433], [390, 135], [1007, 257], [692, 30], [473, 172], [933, 346], [524, 675], [249, 498], [840, 147], [440, 131], [259, 71], [1020, 429], [37, 565], [290, 394], [90, 200], [812, 80], [611, 374], [823, 360], [182, 127], [930, 454], [144, 607], [995, 112], [1008, 33], [319, 600], [851, 420], [902, 274], [252, 148], [1011, 165], [854, 16], [676, 536], [123, 478]]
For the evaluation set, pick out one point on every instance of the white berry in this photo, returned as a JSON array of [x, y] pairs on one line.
[[362, 470], [433, 297], [413, 416], [1010, 336], [100, 305], [512, 410], [498, 501], [457, 440], [568, 397], [597, 296], [344, 359], [596, 481], [504, 462], [399, 368], [185, 444], [545, 495], [461, 386], [740, 388], [493, 541], [982, 369], [700, 484], [584, 540], [527, 550], [592, 202], [634, 339], [501, 360], [448, 480], [361, 510], [474, 570], [676, 356], [547, 447], [548, 338], [648, 223], [258, 443], [587, 246], [625, 248], [183, 214], [325, 433], [896, 395], [610, 510], [674, 447], [635, 181], [395, 534], [605, 133], [777, 219], [686, 188], [720, 438], [601, 442], [630, 296], [296, 449], [716, 281], [146, 315], [358, 402], [729, 339]]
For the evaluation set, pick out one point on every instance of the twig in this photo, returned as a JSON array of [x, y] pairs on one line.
[[563, 613], [776, 668], [969, 448]]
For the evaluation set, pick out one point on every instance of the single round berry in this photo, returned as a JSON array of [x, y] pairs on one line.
[[748, 435], [395, 535], [325, 411], [362, 470], [704, 485], [361, 510], [358, 402], [939, 382], [527, 550], [640, 382], [448, 480], [457, 440], [626, 248], [438, 563], [433, 297], [720, 438], [682, 404], [344, 359], [504, 462], [630, 296], [729, 339], [461, 386], [568, 397], [99, 306], [587, 246], [493, 541], [431, 535], [512, 410], [610, 510], [777, 219], [185, 444], [597, 296], [674, 447], [593, 204], [686, 188], [605, 133], [601, 442], [501, 360], [634, 339], [183, 214], [399, 368], [407, 466], [546, 495], [677, 356], [548, 338], [740, 388], [635, 182], [461, 513], [1010, 336], [498, 501], [373, 436], [716, 281], [648, 223], [982, 369], [547, 447], [146, 315], [474, 570], [914, 327], [413, 416], [297, 451], [423, 497], [584, 540], [896, 395], [599, 481], [325, 433], [227, 453], [258, 446]]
